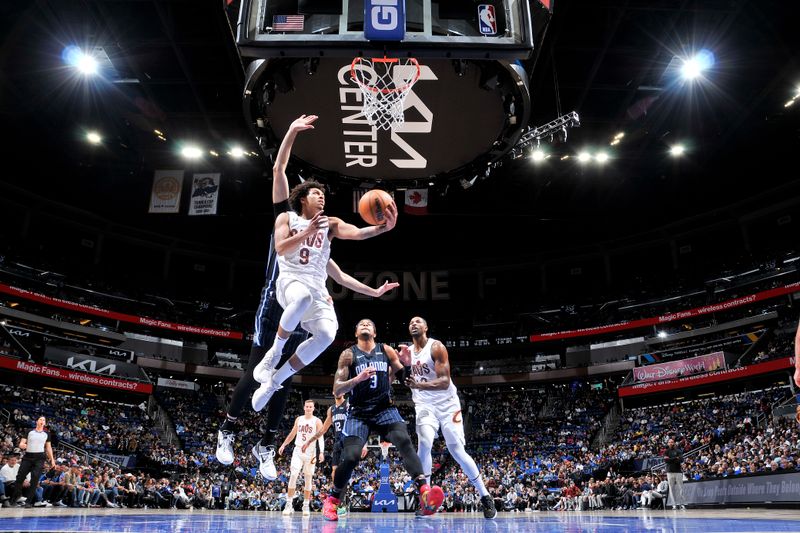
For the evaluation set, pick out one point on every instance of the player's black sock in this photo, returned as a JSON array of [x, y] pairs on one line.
[[420, 482], [229, 424], [268, 437]]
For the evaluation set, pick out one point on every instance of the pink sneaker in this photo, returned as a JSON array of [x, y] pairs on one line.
[[430, 499], [329, 509]]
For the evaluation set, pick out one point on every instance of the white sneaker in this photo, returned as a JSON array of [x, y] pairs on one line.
[[263, 394], [289, 509], [261, 372], [42, 504], [306, 509], [225, 447], [266, 461]]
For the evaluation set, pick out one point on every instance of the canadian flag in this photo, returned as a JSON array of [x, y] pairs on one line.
[[416, 202]]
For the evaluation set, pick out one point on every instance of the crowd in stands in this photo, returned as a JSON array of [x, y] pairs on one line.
[[536, 447]]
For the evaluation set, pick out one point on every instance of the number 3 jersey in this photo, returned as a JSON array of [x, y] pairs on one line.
[[372, 396], [423, 369], [308, 262]]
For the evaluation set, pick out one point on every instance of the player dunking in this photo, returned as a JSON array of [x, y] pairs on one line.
[[438, 407], [364, 370], [302, 241], [303, 459], [266, 324]]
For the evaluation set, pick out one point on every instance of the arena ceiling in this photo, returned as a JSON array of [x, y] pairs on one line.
[[173, 67]]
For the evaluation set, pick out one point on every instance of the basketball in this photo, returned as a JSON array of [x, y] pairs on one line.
[[372, 207]]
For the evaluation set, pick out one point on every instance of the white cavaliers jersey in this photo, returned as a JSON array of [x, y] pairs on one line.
[[308, 262], [306, 427], [423, 369]]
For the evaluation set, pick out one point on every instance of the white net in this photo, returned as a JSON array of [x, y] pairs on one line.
[[385, 450], [384, 84]]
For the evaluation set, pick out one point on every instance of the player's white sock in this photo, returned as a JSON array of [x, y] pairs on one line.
[[425, 437], [277, 346], [468, 466], [283, 373]]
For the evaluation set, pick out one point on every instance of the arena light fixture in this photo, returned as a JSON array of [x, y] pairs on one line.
[[212, 152], [601, 157], [789, 103], [236, 152], [584, 157], [662, 334], [93, 137], [677, 150], [538, 155], [694, 67], [191, 152]]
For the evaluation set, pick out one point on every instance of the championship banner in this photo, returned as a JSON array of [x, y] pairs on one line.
[[74, 376], [205, 191], [98, 311], [649, 387], [670, 317], [166, 194], [684, 367]]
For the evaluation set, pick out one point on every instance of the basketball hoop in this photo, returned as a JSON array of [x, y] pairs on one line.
[[385, 450], [384, 83]]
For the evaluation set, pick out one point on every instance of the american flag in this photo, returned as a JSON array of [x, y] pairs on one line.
[[288, 22]]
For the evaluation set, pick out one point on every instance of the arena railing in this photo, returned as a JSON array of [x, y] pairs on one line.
[[86, 455], [691, 453]]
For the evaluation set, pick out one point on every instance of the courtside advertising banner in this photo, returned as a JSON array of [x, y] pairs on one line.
[[166, 194], [649, 387], [205, 192], [769, 488], [670, 317], [134, 319], [74, 376], [684, 367]]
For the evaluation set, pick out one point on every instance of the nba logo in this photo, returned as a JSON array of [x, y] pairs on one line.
[[486, 19]]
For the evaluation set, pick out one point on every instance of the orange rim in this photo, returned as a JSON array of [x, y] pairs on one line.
[[402, 88]]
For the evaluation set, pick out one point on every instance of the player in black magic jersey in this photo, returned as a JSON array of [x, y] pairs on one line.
[[366, 371]]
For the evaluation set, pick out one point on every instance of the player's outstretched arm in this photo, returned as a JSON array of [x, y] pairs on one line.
[[325, 427], [342, 230], [280, 184], [441, 363], [341, 384], [346, 280]]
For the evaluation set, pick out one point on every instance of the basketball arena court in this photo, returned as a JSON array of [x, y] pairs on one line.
[[400, 265], [711, 521]]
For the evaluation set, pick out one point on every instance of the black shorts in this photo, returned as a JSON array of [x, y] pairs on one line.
[[336, 454]]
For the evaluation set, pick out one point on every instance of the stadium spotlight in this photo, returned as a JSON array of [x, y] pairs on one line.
[[538, 155], [93, 137], [677, 150], [236, 152], [584, 157], [191, 152], [662, 334], [693, 67], [601, 157]]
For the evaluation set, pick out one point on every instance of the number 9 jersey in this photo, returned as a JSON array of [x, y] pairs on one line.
[[308, 262]]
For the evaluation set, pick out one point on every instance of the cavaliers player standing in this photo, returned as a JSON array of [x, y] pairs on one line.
[[303, 459], [438, 407]]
